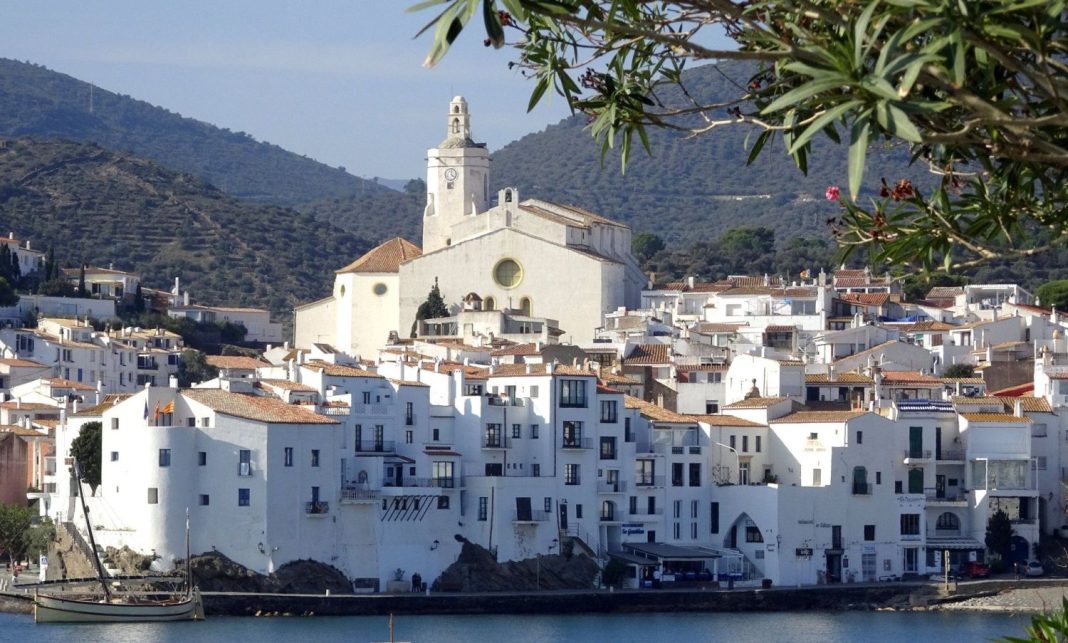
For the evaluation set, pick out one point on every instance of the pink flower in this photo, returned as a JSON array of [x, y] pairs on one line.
[[832, 193]]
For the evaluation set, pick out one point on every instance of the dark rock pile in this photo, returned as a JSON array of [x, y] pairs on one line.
[[214, 572], [476, 570]]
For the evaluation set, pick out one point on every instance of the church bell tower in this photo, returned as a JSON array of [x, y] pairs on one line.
[[457, 179]]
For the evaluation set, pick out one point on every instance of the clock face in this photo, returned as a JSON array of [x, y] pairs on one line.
[[450, 174]]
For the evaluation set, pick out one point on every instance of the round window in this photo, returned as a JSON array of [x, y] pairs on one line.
[[380, 289], [508, 273]]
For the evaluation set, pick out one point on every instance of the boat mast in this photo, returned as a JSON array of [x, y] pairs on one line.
[[89, 528], [188, 561]]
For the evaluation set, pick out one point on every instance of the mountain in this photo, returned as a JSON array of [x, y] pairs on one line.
[[40, 103], [690, 188], [95, 205]]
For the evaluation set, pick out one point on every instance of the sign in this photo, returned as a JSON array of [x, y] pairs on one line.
[[633, 528], [803, 552]]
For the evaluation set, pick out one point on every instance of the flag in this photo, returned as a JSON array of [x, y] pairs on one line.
[[169, 408], [157, 412], [146, 409]]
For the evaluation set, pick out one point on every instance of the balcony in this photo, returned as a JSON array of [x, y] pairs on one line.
[[316, 508], [675, 449], [358, 496], [914, 456], [944, 499], [533, 518], [954, 456], [656, 511], [612, 487], [494, 441], [611, 516], [375, 446], [576, 443], [862, 488], [439, 483], [503, 400], [372, 409], [649, 481]]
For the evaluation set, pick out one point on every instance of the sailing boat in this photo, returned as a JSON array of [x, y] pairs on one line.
[[110, 608]]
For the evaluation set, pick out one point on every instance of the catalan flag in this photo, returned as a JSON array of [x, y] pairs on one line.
[[169, 408], [157, 413]]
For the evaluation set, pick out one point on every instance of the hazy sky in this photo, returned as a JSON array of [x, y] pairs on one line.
[[338, 81]]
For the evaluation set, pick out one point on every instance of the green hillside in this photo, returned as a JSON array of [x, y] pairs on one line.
[[40, 103], [104, 207], [690, 189]]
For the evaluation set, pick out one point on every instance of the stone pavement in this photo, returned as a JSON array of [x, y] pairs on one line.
[[1040, 598]]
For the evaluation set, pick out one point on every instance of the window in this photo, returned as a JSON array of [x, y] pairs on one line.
[[114, 456], [753, 535], [869, 533], [534, 431], [244, 462], [409, 415], [367, 397], [202, 458], [535, 470], [114, 424], [644, 472], [757, 438], [711, 407], [676, 474], [508, 273], [153, 495], [483, 508], [443, 502], [517, 431], [860, 437], [633, 504], [472, 389], [437, 435], [442, 476], [878, 477], [244, 498], [571, 474], [695, 475], [203, 500], [714, 517], [817, 477], [676, 530], [315, 457], [578, 511], [288, 456], [677, 509], [693, 508], [948, 521], [548, 504], [164, 457], [493, 438], [534, 391], [572, 434], [910, 524], [608, 411], [408, 437], [628, 435], [745, 444], [693, 533], [608, 448], [573, 394]]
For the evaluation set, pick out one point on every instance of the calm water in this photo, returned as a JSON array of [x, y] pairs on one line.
[[685, 627]]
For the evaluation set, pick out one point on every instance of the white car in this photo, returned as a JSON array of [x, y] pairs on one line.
[[1034, 568]]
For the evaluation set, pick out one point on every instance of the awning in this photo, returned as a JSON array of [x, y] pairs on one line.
[[954, 543]]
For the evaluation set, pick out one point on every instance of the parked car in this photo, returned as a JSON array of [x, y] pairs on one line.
[[1034, 568], [976, 570]]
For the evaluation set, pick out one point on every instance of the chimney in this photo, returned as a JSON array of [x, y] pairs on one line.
[[73, 407], [652, 280], [530, 368], [10, 235], [690, 281], [185, 298], [172, 381]]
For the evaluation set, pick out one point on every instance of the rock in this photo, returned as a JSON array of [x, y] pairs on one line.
[[128, 561], [475, 570], [214, 572]]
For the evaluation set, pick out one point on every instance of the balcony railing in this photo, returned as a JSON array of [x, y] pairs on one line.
[[372, 409], [951, 454], [577, 443], [918, 454], [649, 481], [934, 496], [316, 507], [611, 516], [491, 441], [441, 483], [612, 487], [645, 511], [375, 446], [534, 516], [359, 495]]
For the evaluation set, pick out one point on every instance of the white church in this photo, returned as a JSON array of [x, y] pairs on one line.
[[531, 257]]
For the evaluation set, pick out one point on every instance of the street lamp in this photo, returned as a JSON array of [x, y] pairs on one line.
[[552, 546], [737, 459]]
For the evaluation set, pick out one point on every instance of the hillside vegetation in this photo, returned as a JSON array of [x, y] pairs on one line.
[[40, 103], [99, 206]]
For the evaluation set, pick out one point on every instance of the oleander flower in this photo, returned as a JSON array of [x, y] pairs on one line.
[[832, 193]]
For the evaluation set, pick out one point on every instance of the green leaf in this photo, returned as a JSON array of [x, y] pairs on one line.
[[492, 21], [860, 31], [764, 137], [825, 119], [858, 150], [902, 125], [809, 89], [539, 90]]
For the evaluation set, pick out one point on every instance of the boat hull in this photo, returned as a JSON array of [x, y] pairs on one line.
[[54, 609]]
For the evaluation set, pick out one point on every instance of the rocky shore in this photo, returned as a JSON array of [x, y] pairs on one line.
[[1030, 599]]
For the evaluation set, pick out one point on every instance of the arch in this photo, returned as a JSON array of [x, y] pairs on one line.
[[456, 125], [608, 510], [507, 196], [361, 477], [525, 306], [489, 303], [948, 521]]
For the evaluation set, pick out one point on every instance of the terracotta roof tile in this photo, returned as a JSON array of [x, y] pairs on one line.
[[649, 354], [339, 370], [235, 362], [927, 326], [866, 298], [840, 378], [110, 400], [14, 405], [811, 417], [909, 377], [1028, 404], [255, 407], [657, 413], [710, 327], [755, 403], [286, 385], [725, 420], [944, 292], [1001, 418], [517, 349], [59, 382], [614, 378], [20, 431], [21, 363], [386, 257]]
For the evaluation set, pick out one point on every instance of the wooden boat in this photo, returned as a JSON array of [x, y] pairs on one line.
[[58, 609], [111, 608]]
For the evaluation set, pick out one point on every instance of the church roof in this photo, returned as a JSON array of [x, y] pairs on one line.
[[566, 214], [386, 257]]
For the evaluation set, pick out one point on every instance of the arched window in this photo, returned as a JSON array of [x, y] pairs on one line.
[[524, 306], [362, 477], [948, 522], [507, 196], [455, 126], [488, 303]]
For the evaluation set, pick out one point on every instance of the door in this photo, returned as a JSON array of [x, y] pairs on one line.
[[834, 568], [915, 480], [563, 516], [612, 478], [915, 441], [940, 486], [938, 443], [522, 510]]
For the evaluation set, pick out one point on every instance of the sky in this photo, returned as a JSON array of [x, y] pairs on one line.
[[339, 81]]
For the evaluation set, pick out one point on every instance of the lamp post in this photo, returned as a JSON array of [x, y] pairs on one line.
[[737, 459], [552, 546]]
